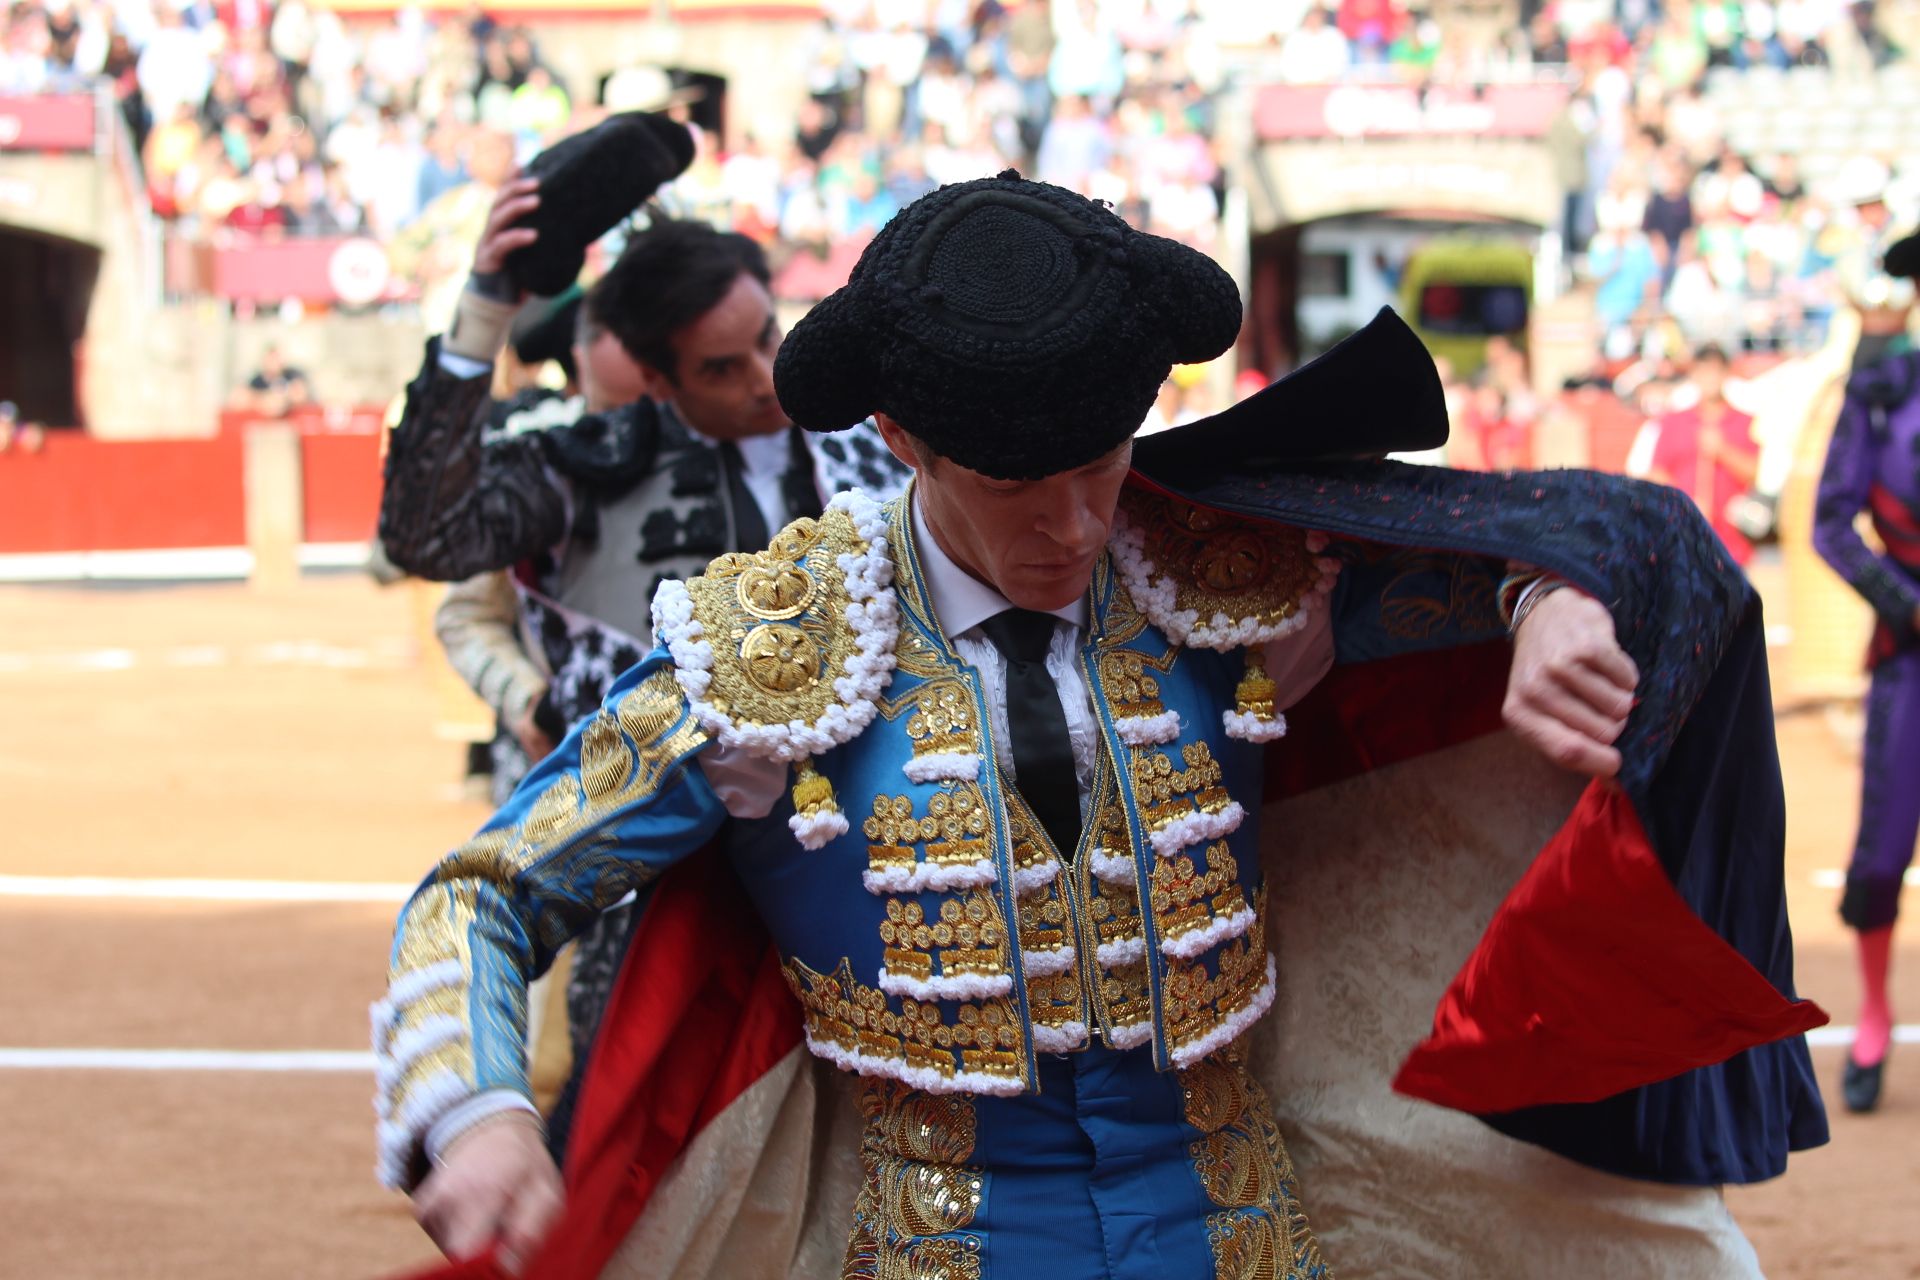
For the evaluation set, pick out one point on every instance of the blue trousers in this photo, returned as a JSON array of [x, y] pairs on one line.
[[1113, 1171]]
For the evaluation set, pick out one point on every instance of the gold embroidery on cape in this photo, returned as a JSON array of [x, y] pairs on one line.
[[1222, 565], [1243, 1164], [776, 620], [918, 1185], [984, 1035], [1121, 620]]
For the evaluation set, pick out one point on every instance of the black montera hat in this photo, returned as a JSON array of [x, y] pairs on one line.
[[1017, 328], [544, 328], [588, 182]]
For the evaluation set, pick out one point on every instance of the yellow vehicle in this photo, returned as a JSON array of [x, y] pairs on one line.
[[1459, 291]]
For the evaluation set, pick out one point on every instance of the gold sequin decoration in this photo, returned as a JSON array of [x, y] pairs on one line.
[[1129, 687], [1121, 994], [943, 719], [1196, 1001], [776, 620], [1221, 564], [917, 1185], [1263, 1232], [983, 1036]]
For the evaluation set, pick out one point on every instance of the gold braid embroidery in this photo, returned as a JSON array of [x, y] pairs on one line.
[[917, 1185], [1263, 1232], [1221, 565], [984, 1035], [624, 754]]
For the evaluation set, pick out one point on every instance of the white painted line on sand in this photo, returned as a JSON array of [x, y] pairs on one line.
[[167, 565], [384, 652], [121, 887], [362, 1063], [1840, 1037], [326, 1060], [1835, 878]]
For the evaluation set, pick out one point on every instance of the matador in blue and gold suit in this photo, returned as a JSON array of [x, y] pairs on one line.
[[1049, 1038]]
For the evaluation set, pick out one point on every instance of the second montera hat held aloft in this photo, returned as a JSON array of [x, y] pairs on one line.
[[1017, 328], [588, 183]]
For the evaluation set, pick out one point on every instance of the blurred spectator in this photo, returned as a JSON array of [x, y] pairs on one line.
[[277, 389], [1316, 52], [1706, 448]]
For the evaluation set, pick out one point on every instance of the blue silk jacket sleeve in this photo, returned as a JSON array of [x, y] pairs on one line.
[[1395, 600], [1844, 484], [616, 804]]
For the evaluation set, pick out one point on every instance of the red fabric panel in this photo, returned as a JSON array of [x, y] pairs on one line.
[[1373, 714], [1594, 977], [700, 1013]]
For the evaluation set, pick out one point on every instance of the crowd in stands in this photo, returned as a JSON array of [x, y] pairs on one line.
[[277, 118]]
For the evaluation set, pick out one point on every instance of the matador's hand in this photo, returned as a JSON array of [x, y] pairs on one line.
[[1571, 687], [496, 1184]]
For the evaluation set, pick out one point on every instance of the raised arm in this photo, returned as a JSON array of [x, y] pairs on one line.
[[453, 506]]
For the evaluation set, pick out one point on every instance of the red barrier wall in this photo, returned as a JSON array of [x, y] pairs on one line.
[[82, 494], [340, 486]]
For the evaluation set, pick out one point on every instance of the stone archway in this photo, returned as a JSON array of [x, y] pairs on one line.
[[46, 290]]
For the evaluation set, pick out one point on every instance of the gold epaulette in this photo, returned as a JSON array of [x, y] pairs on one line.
[[785, 652], [1211, 580]]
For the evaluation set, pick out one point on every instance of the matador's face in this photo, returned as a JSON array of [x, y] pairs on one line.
[[1033, 541]]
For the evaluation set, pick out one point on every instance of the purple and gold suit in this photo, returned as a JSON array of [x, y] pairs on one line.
[[1873, 465]]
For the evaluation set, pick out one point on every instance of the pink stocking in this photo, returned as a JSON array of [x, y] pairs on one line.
[[1875, 1033]]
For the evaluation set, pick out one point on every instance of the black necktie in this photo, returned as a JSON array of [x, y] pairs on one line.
[[1042, 751], [750, 532]]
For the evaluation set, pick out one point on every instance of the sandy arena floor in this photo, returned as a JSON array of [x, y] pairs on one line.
[[213, 732]]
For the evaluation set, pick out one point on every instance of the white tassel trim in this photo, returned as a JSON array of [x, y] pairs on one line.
[[1185, 946], [957, 986], [1047, 964], [1064, 1038], [1146, 731], [943, 766], [398, 1139], [817, 830], [1114, 868], [1229, 1031], [1026, 880], [872, 615], [1251, 728], [1131, 1036], [410, 986], [925, 1079], [922, 877], [1196, 828], [410, 1046], [1121, 952]]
